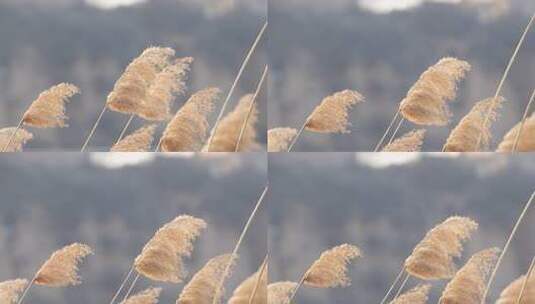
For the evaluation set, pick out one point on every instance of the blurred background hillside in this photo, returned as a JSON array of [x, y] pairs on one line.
[[380, 48], [90, 42], [115, 203], [385, 204]]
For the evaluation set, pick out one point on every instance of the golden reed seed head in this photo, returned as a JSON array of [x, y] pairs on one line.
[[280, 292], [10, 290], [468, 284], [148, 296], [161, 258], [511, 293], [330, 270], [19, 140], [226, 137], [188, 130], [410, 142], [245, 290], [48, 110], [168, 84], [279, 139], [465, 136], [201, 289], [526, 142], [417, 295], [61, 269], [426, 101], [130, 90], [432, 258], [139, 141], [331, 116]]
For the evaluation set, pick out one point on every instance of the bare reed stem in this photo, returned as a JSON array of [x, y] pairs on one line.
[[26, 290], [400, 289], [131, 288], [504, 251], [301, 282], [294, 140], [122, 284], [263, 268], [123, 132], [13, 135], [396, 131], [93, 129], [381, 141], [233, 87], [525, 284], [526, 112], [393, 285]]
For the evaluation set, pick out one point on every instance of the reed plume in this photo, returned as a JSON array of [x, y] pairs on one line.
[[226, 137], [410, 142], [20, 137], [468, 284], [432, 258], [187, 131], [257, 284], [139, 141], [11, 290], [279, 139], [417, 295], [280, 292], [61, 269], [330, 270], [526, 139], [148, 296], [464, 137], [48, 110], [512, 292], [331, 116], [202, 287], [426, 102], [161, 258]]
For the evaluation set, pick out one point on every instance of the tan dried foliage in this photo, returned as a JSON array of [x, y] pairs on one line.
[[10, 290], [279, 139], [148, 296], [426, 102], [139, 141], [161, 258], [201, 288], [330, 270], [245, 290], [61, 269], [469, 283], [280, 292], [168, 84], [511, 293], [432, 258], [417, 295], [331, 116], [526, 142], [410, 142], [19, 140], [48, 110], [130, 90], [465, 136], [228, 132], [188, 130]]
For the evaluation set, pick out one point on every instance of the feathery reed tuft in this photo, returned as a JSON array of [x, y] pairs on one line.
[[526, 142], [330, 270], [226, 137], [161, 258], [426, 101], [432, 258], [279, 139], [201, 288], [511, 293], [245, 290], [417, 295], [410, 142], [148, 296], [468, 285], [464, 137], [331, 116], [139, 141], [130, 91], [19, 140], [280, 292], [61, 269], [10, 290], [48, 110]]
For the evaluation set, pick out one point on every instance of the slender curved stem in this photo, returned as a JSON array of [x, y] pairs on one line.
[[123, 132], [526, 112], [13, 135], [263, 268], [380, 143], [526, 280], [400, 289], [26, 290], [301, 282], [393, 285], [93, 129], [396, 131], [122, 285], [131, 288], [294, 140]]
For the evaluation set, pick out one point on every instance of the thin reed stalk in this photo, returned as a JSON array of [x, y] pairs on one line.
[[123, 132], [236, 80], [294, 140], [131, 288], [13, 135], [92, 132], [392, 122], [396, 131], [522, 123], [506, 247], [400, 289], [122, 284], [263, 269], [525, 284], [294, 291], [400, 275], [26, 290]]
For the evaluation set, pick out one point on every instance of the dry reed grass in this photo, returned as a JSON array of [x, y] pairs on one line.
[[161, 258], [410, 142], [330, 270], [243, 293], [48, 110], [279, 139], [526, 141], [139, 141], [432, 258], [468, 284], [18, 141], [61, 269], [10, 290], [426, 102], [280, 292], [417, 295], [474, 127], [511, 293], [331, 115], [148, 296]]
